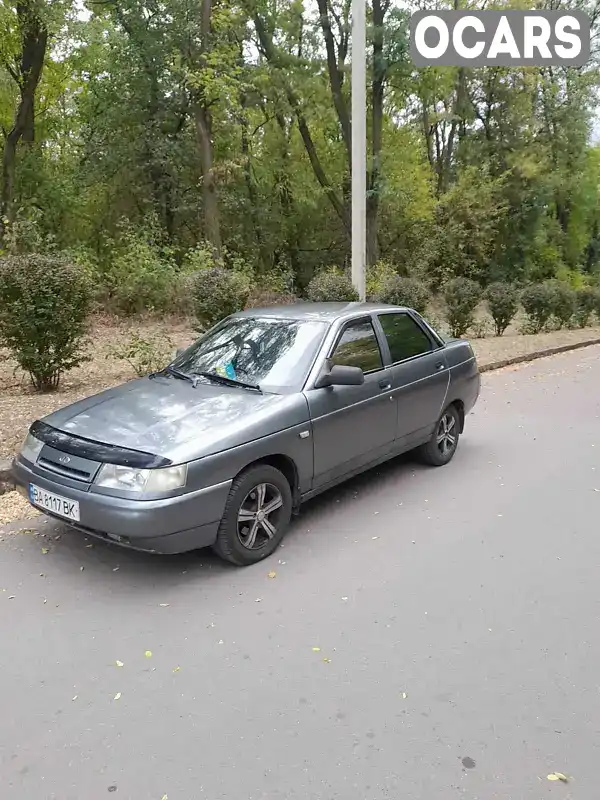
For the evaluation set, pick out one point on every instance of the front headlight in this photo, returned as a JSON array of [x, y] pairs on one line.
[[130, 479], [31, 448]]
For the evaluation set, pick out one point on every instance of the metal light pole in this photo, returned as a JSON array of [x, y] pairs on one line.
[[359, 146]]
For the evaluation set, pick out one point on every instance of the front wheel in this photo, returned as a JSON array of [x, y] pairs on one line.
[[440, 449], [257, 513]]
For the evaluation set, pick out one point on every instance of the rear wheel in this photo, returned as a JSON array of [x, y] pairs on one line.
[[440, 449], [256, 516]]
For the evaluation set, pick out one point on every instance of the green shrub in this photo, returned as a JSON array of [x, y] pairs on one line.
[[377, 275], [331, 285], [144, 354], [217, 293], [44, 305], [587, 300], [538, 301], [502, 300], [462, 296], [564, 303], [401, 291], [139, 273]]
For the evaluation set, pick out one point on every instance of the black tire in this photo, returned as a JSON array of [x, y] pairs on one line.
[[246, 492], [437, 452]]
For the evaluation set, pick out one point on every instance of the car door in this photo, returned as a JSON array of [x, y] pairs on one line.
[[352, 426], [419, 374]]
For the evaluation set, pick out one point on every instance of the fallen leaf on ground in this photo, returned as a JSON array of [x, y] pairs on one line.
[[163, 605], [557, 776], [164, 797], [176, 669], [118, 696], [327, 660], [148, 653], [119, 663], [76, 696], [45, 551], [316, 649], [272, 574], [404, 695]]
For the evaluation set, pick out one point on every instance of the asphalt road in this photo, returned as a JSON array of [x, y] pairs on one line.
[[457, 612]]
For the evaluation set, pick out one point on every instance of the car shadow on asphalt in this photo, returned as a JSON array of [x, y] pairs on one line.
[[71, 550]]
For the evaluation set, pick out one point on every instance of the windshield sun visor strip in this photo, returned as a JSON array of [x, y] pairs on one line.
[[96, 451]]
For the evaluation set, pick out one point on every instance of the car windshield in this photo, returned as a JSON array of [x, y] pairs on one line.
[[272, 353]]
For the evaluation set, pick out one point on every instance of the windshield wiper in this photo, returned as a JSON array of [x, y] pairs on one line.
[[213, 376], [176, 373]]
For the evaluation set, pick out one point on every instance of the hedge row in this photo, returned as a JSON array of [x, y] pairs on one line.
[[45, 302]]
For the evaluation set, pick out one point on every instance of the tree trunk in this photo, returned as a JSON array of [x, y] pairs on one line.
[[377, 87], [268, 48], [336, 78], [203, 126], [34, 40], [210, 206]]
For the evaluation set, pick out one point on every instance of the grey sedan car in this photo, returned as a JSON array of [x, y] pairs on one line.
[[267, 409]]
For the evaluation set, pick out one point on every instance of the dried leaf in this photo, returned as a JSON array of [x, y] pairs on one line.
[[176, 669], [404, 695], [327, 660], [118, 696], [119, 663], [557, 776], [148, 653], [164, 797], [163, 605], [75, 698], [272, 574], [316, 649], [45, 551]]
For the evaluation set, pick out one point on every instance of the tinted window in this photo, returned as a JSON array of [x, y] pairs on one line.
[[358, 347], [405, 338], [274, 353]]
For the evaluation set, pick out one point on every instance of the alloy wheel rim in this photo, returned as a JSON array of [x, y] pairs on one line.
[[446, 434], [258, 517]]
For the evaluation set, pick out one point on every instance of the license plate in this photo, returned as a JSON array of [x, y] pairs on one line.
[[62, 506]]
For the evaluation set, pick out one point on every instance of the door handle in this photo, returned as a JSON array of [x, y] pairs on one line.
[[440, 366], [385, 384]]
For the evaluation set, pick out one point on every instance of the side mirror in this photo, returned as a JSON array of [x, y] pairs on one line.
[[340, 375]]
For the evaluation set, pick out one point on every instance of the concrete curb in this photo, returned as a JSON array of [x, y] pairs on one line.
[[549, 351], [7, 483]]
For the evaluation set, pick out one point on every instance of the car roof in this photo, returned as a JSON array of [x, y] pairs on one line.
[[325, 312]]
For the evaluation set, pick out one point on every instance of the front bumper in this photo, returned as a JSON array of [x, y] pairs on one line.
[[171, 525]]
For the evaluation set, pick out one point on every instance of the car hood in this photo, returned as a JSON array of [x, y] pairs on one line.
[[169, 417]]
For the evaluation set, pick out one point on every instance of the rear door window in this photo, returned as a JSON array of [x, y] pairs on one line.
[[404, 337]]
